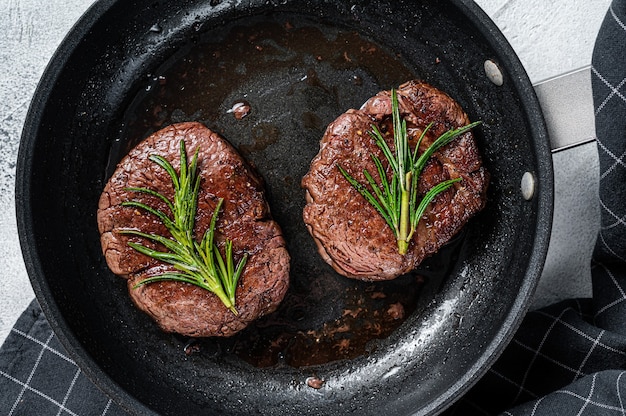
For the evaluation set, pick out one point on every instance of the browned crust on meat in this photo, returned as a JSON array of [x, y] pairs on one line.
[[245, 219], [350, 234]]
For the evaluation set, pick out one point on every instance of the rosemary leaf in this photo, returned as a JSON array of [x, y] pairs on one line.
[[397, 199], [162, 216], [384, 147], [368, 196], [441, 141], [197, 263], [430, 195], [148, 192], [179, 277]]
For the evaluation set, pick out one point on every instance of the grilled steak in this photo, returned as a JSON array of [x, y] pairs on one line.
[[244, 219], [350, 234]]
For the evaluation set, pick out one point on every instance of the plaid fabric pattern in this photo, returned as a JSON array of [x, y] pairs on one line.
[[567, 359], [609, 83], [38, 378]]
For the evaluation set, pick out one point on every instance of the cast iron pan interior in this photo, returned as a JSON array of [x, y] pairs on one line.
[[130, 67]]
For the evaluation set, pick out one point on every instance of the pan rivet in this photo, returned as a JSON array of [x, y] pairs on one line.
[[493, 72], [528, 186]]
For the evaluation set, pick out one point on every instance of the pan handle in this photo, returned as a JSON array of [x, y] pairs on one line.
[[567, 105]]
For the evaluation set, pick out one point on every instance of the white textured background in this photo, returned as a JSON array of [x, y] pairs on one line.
[[550, 37], [30, 31]]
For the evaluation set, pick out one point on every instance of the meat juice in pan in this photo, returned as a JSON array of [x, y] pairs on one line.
[[294, 77]]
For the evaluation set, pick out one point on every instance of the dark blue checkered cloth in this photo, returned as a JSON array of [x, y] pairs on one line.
[[567, 359], [37, 377]]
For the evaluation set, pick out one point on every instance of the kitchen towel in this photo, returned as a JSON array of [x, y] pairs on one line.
[[567, 359], [37, 377]]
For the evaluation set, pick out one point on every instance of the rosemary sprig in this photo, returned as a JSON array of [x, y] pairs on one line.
[[197, 263], [397, 199]]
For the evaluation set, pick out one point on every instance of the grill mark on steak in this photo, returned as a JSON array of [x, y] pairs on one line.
[[244, 219], [350, 234]]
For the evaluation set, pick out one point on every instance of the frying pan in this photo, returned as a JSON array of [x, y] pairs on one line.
[[128, 68]]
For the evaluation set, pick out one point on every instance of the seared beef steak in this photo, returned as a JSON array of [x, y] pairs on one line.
[[244, 218], [350, 234]]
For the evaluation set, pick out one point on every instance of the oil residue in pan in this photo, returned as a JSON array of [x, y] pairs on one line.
[[270, 86]]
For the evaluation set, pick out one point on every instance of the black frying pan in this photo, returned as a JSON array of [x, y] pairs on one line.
[[130, 67]]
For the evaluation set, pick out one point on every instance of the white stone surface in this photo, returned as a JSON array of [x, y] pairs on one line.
[[576, 221], [551, 38], [30, 31]]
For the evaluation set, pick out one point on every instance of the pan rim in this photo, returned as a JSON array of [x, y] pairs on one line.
[[67, 337], [24, 216]]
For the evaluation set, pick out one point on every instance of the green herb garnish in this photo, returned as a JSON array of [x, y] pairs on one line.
[[198, 263], [397, 200]]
